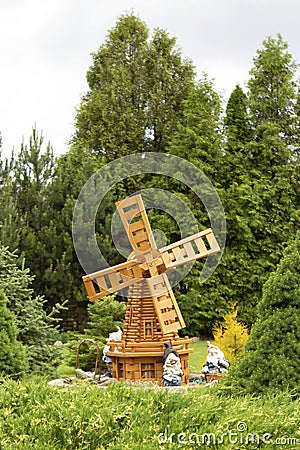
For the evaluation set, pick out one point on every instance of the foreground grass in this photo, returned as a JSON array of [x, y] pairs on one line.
[[37, 416]]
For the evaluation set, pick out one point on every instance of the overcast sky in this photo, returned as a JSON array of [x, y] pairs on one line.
[[46, 48]]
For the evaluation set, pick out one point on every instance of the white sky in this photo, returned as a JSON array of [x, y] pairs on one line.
[[46, 46]]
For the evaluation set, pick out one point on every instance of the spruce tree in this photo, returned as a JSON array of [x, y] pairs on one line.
[[37, 330], [272, 357], [13, 358]]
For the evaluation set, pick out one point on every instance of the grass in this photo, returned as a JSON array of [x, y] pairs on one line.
[[64, 370], [84, 416], [197, 358]]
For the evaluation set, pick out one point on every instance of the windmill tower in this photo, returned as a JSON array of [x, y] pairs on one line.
[[152, 313]]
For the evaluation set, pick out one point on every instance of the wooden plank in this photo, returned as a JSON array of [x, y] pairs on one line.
[[171, 328], [146, 242], [108, 270], [200, 245], [157, 286], [149, 349], [175, 304], [213, 242], [90, 288], [179, 257], [115, 278], [162, 304], [190, 252], [169, 315]]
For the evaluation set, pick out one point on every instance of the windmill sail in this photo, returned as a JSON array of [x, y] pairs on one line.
[[136, 224]]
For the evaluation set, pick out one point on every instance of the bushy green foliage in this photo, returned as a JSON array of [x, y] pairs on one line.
[[131, 106], [121, 417], [105, 315], [197, 139], [231, 336], [36, 329], [261, 196], [272, 358], [13, 358]]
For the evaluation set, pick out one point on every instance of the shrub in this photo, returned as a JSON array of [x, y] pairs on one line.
[[105, 315], [36, 416], [36, 329], [272, 358], [13, 359], [231, 336]]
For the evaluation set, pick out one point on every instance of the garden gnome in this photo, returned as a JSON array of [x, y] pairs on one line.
[[215, 360], [114, 336], [172, 373]]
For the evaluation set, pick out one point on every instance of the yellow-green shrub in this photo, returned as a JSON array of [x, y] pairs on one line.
[[231, 336]]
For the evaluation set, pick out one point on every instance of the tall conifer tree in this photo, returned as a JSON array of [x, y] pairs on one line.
[[262, 200], [136, 87]]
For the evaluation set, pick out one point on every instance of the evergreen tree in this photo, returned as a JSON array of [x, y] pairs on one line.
[[261, 190], [13, 359], [198, 140], [10, 220], [272, 358], [272, 102], [237, 133], [36, 329], [31, 176], [104, 316], [231, 336], [136, 87], [236, 261], [236, 121], [198, 134], [131, 106], [64, 276]]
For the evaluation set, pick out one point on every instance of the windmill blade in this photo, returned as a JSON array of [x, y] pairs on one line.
[[189, 249], [165, 304], [135, 221], [110, 280]]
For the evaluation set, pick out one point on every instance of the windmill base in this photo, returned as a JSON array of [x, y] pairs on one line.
[[142, 361]]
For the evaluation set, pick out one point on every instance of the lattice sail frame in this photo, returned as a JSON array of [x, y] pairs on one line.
[[148, 262]]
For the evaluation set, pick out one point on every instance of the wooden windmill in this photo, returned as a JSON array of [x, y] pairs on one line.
[[152, 313]]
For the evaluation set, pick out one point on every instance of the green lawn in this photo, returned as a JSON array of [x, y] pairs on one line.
[[197, 358]]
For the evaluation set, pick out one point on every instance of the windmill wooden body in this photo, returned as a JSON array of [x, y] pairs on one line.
[[152, 313]]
